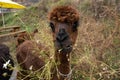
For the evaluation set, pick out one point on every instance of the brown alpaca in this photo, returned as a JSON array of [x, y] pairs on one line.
[[63, 22], [28, 56], [25, 36]]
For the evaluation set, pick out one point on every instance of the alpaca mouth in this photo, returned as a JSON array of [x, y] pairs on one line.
[[65, 49], [65, 46]]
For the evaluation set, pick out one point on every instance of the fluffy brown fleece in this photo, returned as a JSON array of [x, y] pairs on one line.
[[64, 14], [28, 56]]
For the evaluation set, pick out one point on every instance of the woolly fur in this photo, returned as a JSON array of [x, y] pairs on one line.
[[64, 14]]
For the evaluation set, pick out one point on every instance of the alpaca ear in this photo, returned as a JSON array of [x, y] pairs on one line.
[[75, 25], [52, 26]]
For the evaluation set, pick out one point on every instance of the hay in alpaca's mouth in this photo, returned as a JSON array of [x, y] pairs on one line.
[[66, 49]]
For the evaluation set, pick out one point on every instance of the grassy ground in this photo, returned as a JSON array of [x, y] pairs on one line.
[[96, 54]]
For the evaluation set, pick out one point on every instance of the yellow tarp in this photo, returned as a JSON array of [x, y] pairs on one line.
[[10, 4]]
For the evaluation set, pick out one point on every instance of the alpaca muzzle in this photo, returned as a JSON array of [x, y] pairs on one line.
[[63, 43], [62, 35]]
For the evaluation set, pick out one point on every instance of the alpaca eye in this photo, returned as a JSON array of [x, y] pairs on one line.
[[52, 26], [75, 25]]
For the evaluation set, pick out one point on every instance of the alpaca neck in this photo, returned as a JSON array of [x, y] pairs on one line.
[[63, 65]]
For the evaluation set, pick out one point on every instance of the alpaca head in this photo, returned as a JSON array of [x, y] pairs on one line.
[[64, 22]]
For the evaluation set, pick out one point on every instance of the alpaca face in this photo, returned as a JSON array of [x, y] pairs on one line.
[[64, 22], [64, 35]]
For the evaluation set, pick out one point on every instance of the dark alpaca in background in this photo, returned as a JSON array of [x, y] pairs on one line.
[[5, 69]]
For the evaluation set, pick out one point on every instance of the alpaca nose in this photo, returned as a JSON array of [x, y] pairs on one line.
[[62, 35]]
